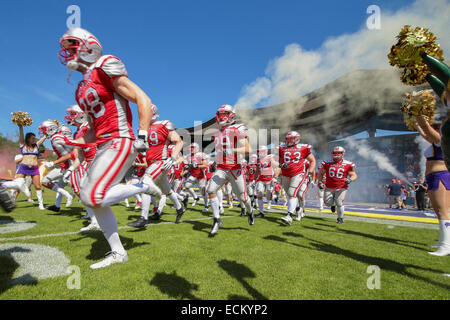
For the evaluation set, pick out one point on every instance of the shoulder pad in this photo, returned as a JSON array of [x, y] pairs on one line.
[[242, 128], [168, 124], [112, 66]]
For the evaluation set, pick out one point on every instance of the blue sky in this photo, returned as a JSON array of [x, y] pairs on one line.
[[189, 56]]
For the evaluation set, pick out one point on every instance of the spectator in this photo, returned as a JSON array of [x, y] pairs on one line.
[[394, 193], [420, 188]]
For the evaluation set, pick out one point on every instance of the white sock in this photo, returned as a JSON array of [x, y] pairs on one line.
[[108, 224], [57, 188], [58, 200], [261, 205], [215, 207], [122, 191], [219, 198], [138, 198], [39, 196], [321, 202], [292, 203], [162, 203], [192, 192], [340, 211], [89, 212], [179, 196], [174, 197], [126, 202], [145, 208], [444, 226]]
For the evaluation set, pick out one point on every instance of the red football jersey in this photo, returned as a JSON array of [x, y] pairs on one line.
[[140, 170], [251, 172], [196, 159], [109, 112], [158, 141], [61, 149], [336, 173], [89, 152], [295, 157], [265, 168], [178, 169], [225, 140]]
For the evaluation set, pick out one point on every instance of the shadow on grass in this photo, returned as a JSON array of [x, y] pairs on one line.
[[8, 267], [101, 246], [240, 272], [174, 286], [205, 227]]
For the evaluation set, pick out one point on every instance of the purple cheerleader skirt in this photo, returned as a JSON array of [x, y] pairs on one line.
[[28, 170], [433, 180]]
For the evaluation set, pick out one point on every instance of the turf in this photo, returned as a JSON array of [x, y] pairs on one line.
[[314, 259]]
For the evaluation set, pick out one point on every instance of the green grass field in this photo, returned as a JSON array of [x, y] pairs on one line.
[[314, 259]]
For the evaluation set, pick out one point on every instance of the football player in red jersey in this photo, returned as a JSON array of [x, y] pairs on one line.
[[266, 176], [196, 164], [339, 174], [54, 180], [104, 96], [291, 156], [231, 146], [252, 167], [160, 135]]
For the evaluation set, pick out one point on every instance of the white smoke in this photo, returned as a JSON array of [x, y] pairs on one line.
[[380, 159], [299, 71], [423, 145]]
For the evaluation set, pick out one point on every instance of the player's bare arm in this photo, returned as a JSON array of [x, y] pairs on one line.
[[352, 175], [312, 165], [176, 140], [131, 92], [427, 131]]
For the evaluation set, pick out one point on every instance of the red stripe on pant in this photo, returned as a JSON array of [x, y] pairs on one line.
[[298, 187], [118, 155]]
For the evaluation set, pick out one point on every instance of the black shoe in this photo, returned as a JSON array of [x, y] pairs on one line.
[[155, 217], [251, 218], [260, 215], [340, 221], [139, 223], [216, 225], [180, 214], [6, 201], [297, 209], [185, 201], [243, 214], [53, 208], [333, 209]]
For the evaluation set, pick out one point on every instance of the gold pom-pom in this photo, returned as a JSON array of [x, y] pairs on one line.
[[418, 103], [405, 54], [57, 122], [21, 118]]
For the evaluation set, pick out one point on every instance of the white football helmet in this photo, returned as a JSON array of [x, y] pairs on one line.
[[292, 138], [78, 46], [65, 130], [194, 148], [253, 159], [225, 115], [48, 128], [75, 115], [338, 154], [262, 151], [155, 112]]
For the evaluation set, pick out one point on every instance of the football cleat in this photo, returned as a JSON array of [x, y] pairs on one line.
[[155, 217], [243, 213], [7, 202], [91, 226], [139, 223], [443, 250], [111, 258], [435, 245], [41, 207], [179, 214], [299, 216], [221, 210], [185, 201], [260, 215], [195, 202], [287, 219], [216, 225], [53, 208], [206, 209], [86, 216], [340, 220]]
